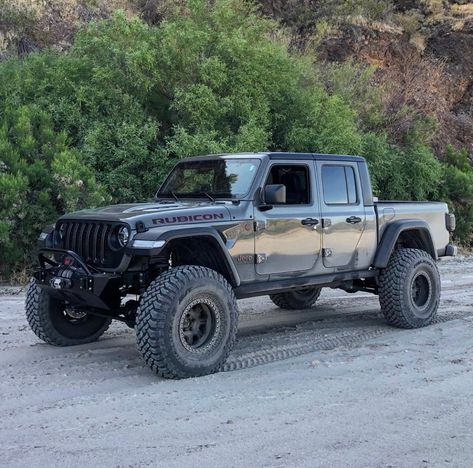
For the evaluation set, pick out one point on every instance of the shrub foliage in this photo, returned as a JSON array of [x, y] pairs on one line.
[[457, 188], [41, 177], [112, 114]]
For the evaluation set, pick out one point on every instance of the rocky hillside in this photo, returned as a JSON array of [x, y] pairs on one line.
[[422, 50]]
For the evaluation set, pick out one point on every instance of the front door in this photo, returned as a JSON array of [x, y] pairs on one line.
[[287, 239], [343, 214]]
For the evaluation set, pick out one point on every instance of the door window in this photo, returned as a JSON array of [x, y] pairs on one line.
[[339, 185], [296, 180]]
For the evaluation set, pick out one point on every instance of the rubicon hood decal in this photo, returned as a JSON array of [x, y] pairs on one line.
[[189, 218], [157, 214]]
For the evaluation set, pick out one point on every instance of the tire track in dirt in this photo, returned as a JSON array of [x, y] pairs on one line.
[[291, 343]]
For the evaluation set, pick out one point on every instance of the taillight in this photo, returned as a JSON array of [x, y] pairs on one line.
[[450, 222]]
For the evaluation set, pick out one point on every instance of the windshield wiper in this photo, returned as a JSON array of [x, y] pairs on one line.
[[212, 199], [166, 195], [174, 195]]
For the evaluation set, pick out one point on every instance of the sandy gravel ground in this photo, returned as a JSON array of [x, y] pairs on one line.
[[330, 387]]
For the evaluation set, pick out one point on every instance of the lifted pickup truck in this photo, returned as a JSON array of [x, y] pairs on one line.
[[226, 227]]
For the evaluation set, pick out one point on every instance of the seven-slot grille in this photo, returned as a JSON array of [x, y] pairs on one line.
[[95, 242]]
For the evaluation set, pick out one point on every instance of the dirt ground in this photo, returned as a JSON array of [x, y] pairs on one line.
[[332, 386]]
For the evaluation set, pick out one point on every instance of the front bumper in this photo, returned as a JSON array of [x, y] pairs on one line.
[[68, 278]]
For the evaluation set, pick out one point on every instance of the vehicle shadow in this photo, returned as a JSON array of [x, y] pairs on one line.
[[116, 354]]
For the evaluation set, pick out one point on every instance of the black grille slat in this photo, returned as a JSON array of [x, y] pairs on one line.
[[88, 246], [68, 236], [94, 255], [102, 243], [73, 244], [99, 243], [93, 241], [82, 244], [78, 247], [80, 239]]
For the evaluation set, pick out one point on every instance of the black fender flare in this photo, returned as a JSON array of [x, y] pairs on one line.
[[391, 235], [182, 233]]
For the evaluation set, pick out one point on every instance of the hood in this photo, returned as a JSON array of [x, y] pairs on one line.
[[156, 214]]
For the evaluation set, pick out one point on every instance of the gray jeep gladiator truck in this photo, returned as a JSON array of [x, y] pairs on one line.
[[225, 227]]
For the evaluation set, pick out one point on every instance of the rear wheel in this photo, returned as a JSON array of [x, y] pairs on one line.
[[409, 289], [187, 321], [55, 323], [298, 299]]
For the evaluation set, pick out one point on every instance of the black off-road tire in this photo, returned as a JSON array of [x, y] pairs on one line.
[[294, 300], [49, 321], [409, 289], [168, 317]]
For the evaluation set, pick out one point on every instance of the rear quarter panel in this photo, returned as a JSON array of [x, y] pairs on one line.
[[433, 213]]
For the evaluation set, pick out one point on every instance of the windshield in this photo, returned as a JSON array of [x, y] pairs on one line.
[[213, 178]]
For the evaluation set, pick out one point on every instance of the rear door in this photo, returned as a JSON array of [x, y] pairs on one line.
[[343, 213]]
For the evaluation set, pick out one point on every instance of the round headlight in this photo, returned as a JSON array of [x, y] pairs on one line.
[[123, 235]]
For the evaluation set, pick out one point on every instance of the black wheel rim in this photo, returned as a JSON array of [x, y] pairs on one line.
[[421, 292], [74, 316], [199, 325]]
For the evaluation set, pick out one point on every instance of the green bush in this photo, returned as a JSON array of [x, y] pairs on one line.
[[40, 178], [413, 173], [232, 88], [384, 161], [132, 98], [128, 99], [457, 188], [96, 93], [408, 173], [354, 83]]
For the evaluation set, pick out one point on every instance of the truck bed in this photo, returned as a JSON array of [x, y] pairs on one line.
[[433, 213]]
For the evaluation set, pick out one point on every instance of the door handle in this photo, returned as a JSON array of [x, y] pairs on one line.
[[353, 220], [310, 222]]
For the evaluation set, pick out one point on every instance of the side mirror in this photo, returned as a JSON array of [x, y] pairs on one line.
[[275, 194]]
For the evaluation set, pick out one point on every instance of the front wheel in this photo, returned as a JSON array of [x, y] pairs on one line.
[[409, 289], [55, 323], [186, 323]]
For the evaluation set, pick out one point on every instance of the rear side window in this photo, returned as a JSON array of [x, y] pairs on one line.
[[339, 185]]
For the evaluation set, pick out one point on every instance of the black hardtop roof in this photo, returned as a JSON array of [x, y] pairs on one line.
[[317, 156], [281, 155]]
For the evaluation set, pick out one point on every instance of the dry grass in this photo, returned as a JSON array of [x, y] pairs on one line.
[[32, 24], [409, 22], [455, 15], [419, 84], [21, 276], [465, 10], [379, 26], [434, 8], [418, 41]]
